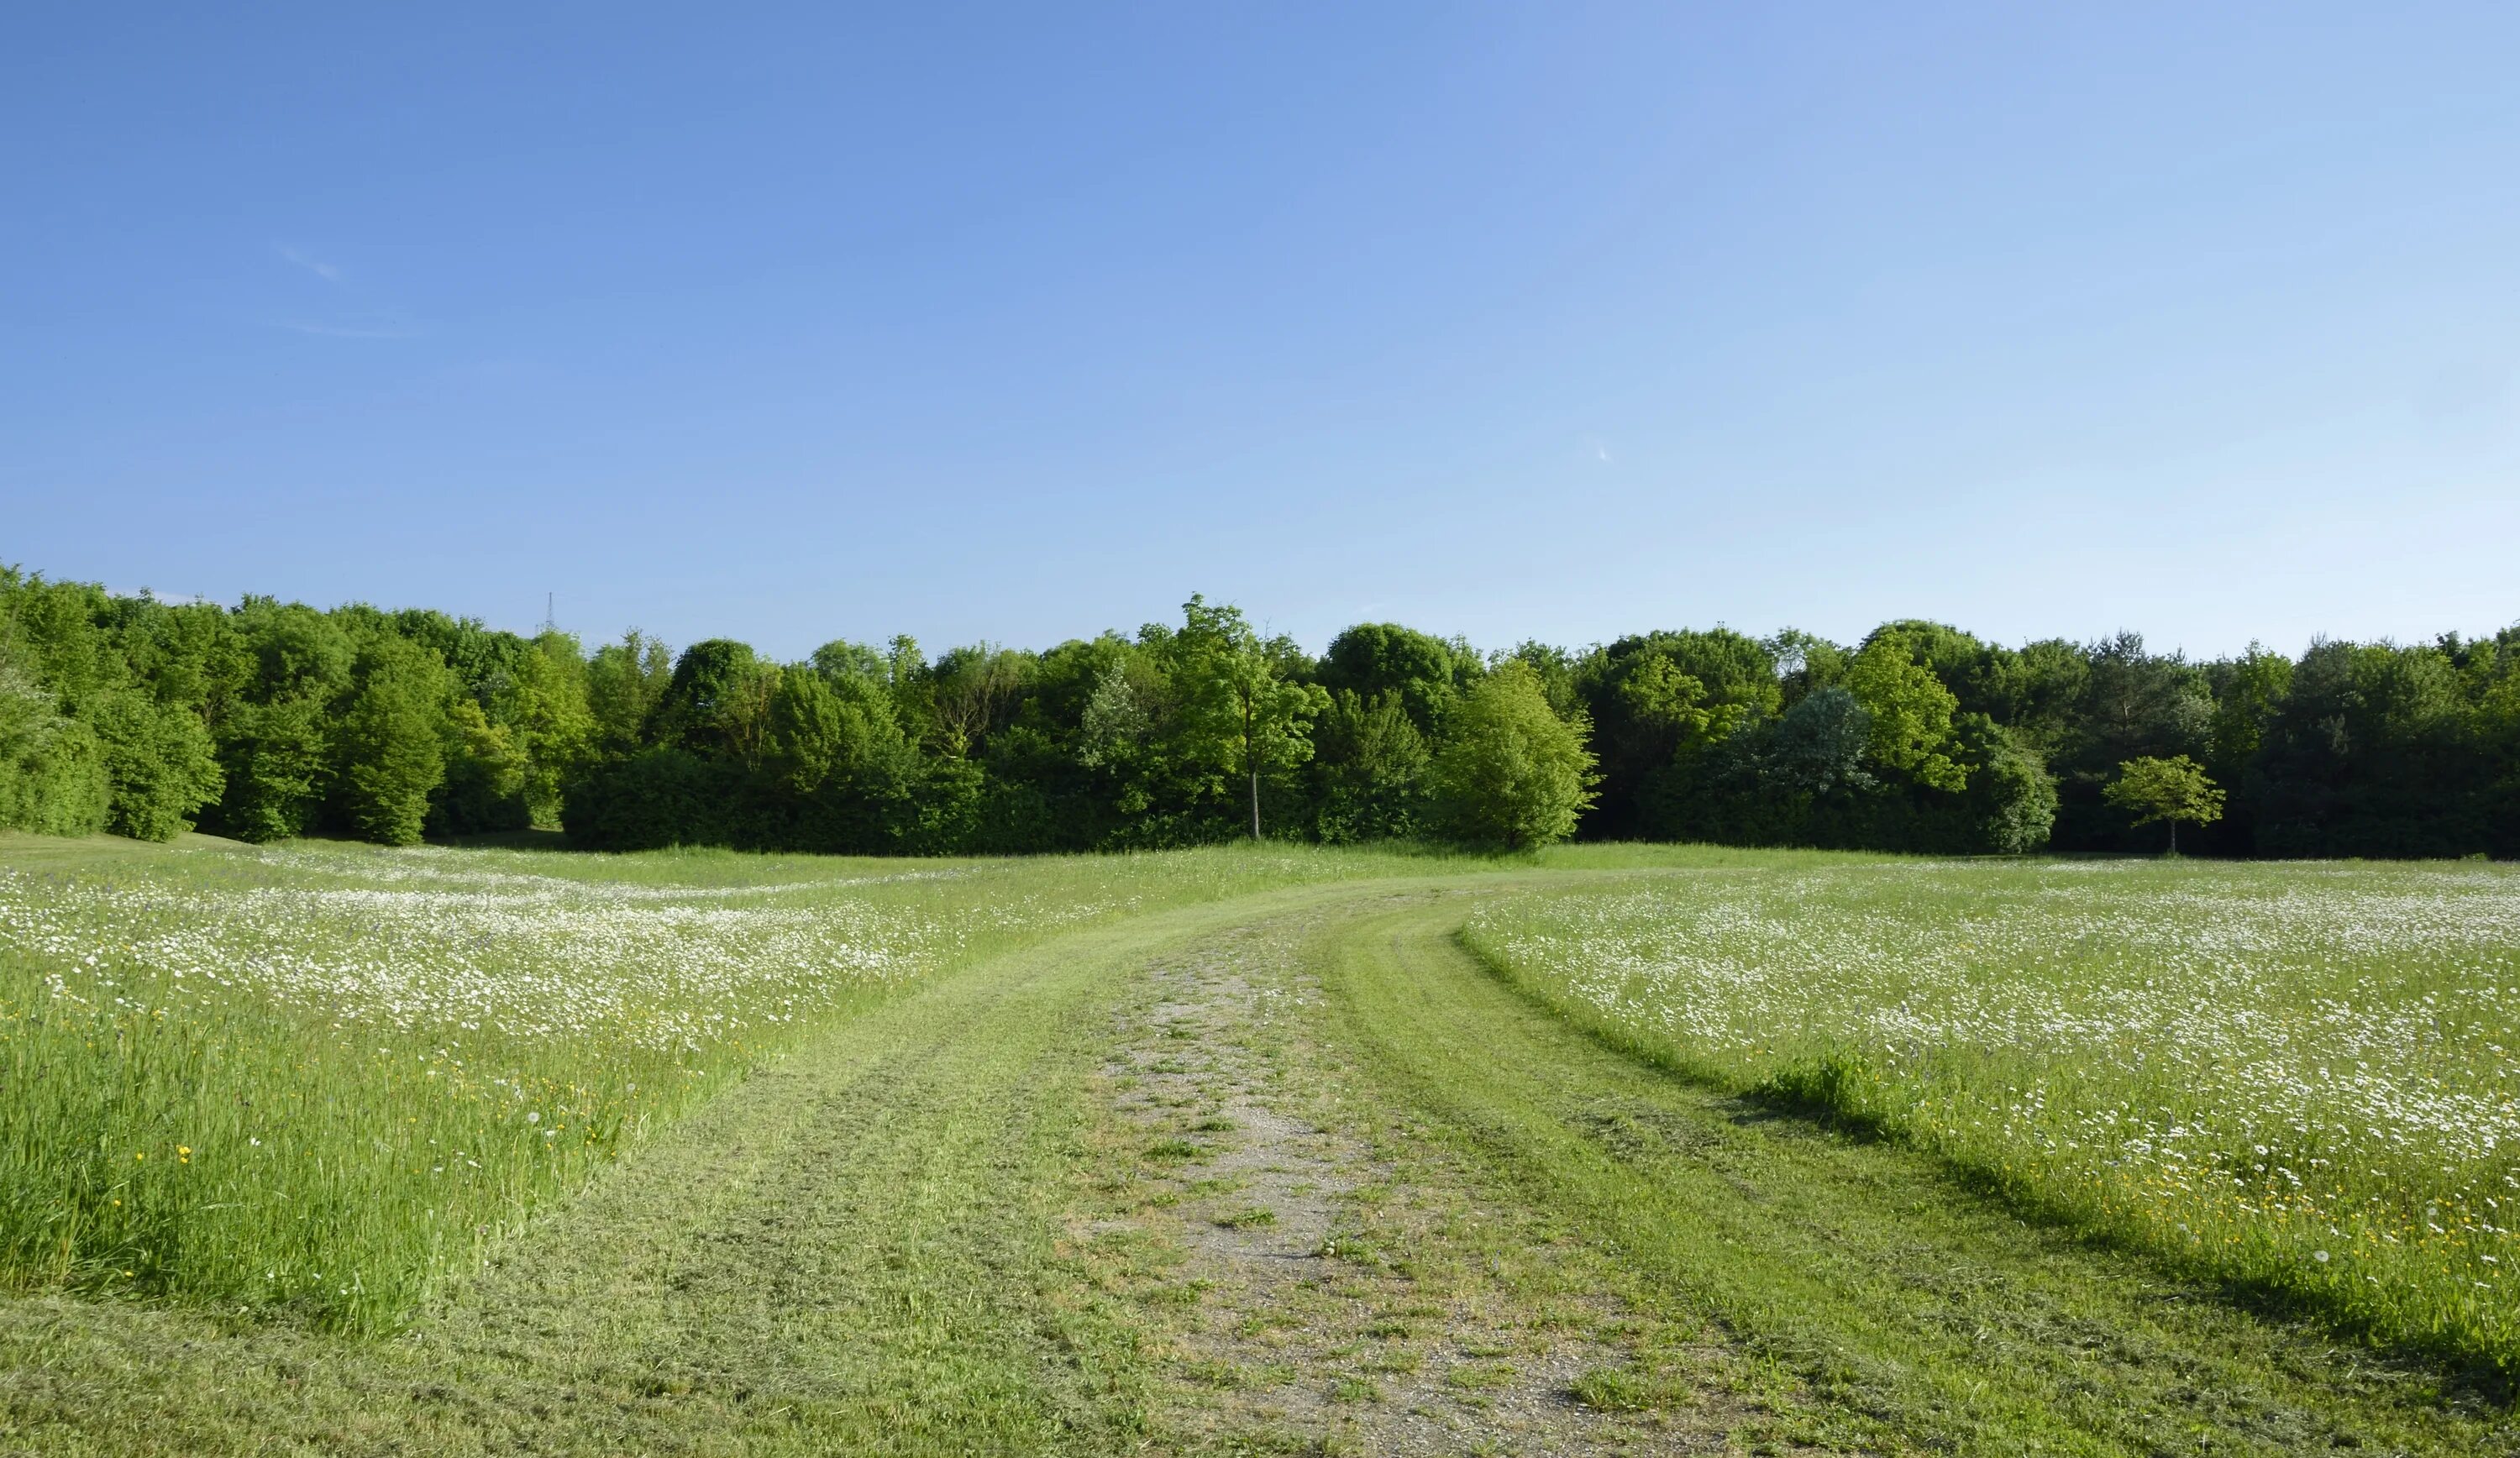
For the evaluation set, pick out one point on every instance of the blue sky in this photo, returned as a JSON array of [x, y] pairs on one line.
[[1017, 323]]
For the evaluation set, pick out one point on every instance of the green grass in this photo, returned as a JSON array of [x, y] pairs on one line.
[[1910, 1313], [321, 1078], [858, 1250], [875, 1216], [2296, 1078]]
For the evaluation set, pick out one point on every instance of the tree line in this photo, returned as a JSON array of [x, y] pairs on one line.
[[270, 719]]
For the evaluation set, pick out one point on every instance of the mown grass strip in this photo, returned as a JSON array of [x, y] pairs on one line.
[[1924, 1314], [2294, 1080]]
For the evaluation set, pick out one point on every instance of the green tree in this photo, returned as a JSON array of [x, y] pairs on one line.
[[1244, 715], [277, 761], [159, 763], [1908, 712], [717, 705], [554, 719], [2173, 789], [624, 681], [52, 769], [1512, 773], [975, 692], [392, 741], [1661, 706], [1428, 674], [1371, 769], [483, 785]]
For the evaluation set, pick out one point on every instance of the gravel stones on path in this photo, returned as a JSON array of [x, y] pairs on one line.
[[1313, 1282]]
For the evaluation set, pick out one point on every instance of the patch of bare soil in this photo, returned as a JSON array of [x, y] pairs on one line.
[[1317, 1283]]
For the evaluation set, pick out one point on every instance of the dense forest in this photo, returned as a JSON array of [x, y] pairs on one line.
[[271, 719]]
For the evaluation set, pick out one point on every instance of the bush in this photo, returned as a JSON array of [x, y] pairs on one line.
[[160, 766]]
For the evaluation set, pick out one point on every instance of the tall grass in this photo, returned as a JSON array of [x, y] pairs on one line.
[[2298, 1078], [318, 1080]]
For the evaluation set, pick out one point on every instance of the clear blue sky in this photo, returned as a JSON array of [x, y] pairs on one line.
[[1021, 323]]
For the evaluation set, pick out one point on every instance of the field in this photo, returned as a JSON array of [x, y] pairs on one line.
[[323, 1148], [2297, 1078], [324, 1077]]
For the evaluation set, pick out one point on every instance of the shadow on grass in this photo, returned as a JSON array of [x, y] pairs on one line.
[[1826, 1094]]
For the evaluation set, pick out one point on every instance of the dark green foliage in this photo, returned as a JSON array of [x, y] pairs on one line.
[[657, 797], [1424, 672], [717, 704], [276, 761], [272, 719], [1663, 706], [2379, 751], [1370, 770], [2010, 804]]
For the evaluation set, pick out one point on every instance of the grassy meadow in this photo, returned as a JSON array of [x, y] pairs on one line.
[[261, 1105], [2295, 1078], [317, 1078]]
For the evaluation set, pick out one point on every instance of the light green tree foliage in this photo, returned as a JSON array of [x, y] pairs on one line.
[[486, 769], [1909, 712], [52, 769], [807, 734], [831, 721], [1512, 773], [2173, 789], [1557, 669], [158, 761], [551, 710], [1658, 691], [391, 744], [624, 681], [1244, 712]]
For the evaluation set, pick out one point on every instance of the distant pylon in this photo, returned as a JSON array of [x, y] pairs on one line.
[[549, 626]]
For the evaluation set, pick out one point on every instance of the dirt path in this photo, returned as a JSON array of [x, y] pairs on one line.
[[1317, 1278], [855, 1251]]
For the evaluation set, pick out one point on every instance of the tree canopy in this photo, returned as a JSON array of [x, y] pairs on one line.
[[267, 720], [2173, 789], [1514, 775]]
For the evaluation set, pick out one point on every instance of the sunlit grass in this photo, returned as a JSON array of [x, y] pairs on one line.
[[320, 1079], [2295, 1077]]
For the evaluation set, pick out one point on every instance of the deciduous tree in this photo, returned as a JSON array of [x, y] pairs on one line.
[[2173, 789], [1512, 773]]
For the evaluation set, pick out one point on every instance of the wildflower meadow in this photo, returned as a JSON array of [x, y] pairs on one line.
[[316, 1080], [2293, 1077]]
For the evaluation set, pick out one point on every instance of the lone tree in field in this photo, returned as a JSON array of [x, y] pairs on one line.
[[2173, 789], [1244, 711], [1511, 773]]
